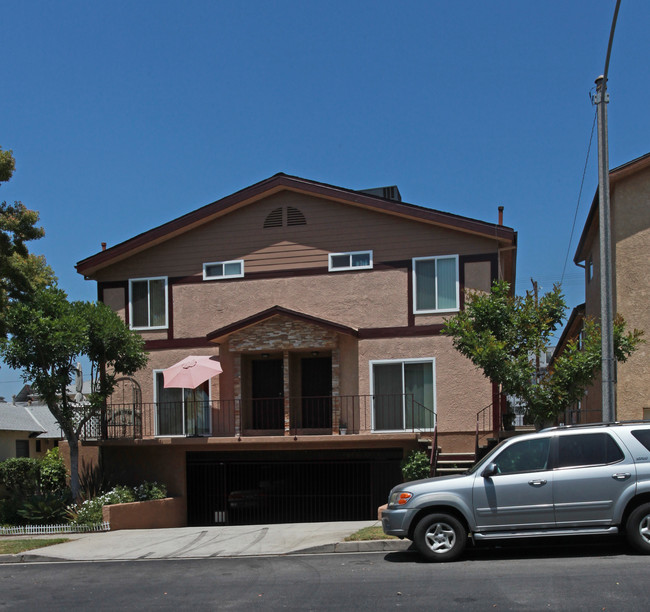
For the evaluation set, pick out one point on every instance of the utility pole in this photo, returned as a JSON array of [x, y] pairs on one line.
[[606, 289], [537, 350]]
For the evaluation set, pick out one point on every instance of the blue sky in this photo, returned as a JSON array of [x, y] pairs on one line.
[[124, 115]]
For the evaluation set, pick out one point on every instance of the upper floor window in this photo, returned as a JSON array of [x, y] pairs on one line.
[[435, 284], [223, 269], [148, 303], [354, 260]]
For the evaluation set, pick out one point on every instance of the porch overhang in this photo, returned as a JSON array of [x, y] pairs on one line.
[[219, 335], [276, 443]]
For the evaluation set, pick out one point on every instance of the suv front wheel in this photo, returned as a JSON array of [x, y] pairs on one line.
[[440, 537], [638, 528]]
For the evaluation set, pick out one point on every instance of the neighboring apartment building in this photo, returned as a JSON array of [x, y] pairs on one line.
[[27, 427], [325, 308], [630, 239]]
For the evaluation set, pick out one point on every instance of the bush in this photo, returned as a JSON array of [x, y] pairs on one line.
[[20, 475], [416, 466], [150, 490], [44, 508], [9, 511], [90, 511], [52, 471]]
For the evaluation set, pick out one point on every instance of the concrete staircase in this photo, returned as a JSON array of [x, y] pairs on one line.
[[454, 463]]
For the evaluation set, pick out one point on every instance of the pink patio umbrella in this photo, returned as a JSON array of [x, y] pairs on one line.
[[190, 372]]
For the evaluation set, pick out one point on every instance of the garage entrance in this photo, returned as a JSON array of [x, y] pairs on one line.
[[293, 487]]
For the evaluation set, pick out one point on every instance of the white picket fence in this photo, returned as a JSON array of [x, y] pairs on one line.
[[49, 529]]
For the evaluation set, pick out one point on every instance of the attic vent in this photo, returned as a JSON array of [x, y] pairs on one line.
[[295, 217], [274, 218]]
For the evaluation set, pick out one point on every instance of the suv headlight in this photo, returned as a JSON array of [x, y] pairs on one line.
[[399, 498]]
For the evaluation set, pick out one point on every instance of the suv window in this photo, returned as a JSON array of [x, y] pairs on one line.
[[643, 436], [525, 456], [587, 449]]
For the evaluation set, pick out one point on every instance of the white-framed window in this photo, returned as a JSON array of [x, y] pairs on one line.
[[404, 394], [354, 260], [181, 412], [435, 284], [223, 269], [148, 303]]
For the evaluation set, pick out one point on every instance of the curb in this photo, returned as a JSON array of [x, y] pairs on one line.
[[361, 546], [339, 547], [26, 558]]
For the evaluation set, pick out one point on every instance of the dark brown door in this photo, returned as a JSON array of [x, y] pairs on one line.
[[268, 394], [316, 381]]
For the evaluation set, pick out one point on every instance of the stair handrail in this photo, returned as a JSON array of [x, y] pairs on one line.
[[433, 459], [480, 416]]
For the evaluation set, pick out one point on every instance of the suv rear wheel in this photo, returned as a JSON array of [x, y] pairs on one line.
[[638, 528], [440, 537]]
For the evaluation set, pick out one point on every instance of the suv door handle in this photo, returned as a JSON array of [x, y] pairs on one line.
[[621, 476], [537, 483]]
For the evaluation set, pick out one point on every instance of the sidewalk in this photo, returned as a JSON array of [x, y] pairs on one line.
[[210, 542]]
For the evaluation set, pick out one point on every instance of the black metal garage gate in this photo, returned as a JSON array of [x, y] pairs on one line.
[[289, 487]]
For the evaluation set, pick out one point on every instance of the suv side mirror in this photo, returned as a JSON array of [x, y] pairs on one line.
[[490, 470]]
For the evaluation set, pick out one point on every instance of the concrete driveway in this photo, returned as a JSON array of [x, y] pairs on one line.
[[202, 542]]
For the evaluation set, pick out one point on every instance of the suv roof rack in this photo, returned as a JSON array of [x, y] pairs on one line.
[[598, 424]]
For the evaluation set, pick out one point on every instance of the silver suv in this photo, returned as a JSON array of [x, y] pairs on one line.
[[580, 480]]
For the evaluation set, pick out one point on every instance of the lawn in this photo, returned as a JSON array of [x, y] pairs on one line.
[[369, 533], [13, 547]]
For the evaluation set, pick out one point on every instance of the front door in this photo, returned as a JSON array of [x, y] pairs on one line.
[[268, 393], [316, 385]]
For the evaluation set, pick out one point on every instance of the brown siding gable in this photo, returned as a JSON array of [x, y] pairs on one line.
[[275, 184]]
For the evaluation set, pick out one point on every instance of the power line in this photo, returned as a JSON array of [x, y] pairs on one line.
[[582, 183]]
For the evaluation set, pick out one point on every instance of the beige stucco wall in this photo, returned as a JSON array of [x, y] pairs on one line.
[[374, 299], [632, 236], [8, 444], [630, 218], [461, 390]]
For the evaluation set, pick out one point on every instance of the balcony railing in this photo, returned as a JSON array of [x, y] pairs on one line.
[[327, 415]]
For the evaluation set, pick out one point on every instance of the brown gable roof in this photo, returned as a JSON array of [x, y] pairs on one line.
[[275, 184], [278, 311], [616, 175]]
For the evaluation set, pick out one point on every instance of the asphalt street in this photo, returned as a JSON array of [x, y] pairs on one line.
[[547, 577]]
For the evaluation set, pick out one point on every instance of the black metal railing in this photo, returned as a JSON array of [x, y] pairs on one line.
[[578, 416], [326, 415], [484, 427]]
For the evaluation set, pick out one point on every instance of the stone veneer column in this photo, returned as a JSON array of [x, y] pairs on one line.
[[237, 391], [336, 389], [286, 391]]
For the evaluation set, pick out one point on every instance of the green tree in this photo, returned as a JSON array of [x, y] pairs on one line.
[[48, 334], [501, 334], [21, 273]]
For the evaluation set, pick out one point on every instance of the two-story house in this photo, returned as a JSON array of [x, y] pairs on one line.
[[630, 240], [325, 307]]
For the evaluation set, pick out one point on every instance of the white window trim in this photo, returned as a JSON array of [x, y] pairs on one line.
[[155, 404], [437, 310], [148, 278], [373, 362], [332, 268], [223, 263]]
